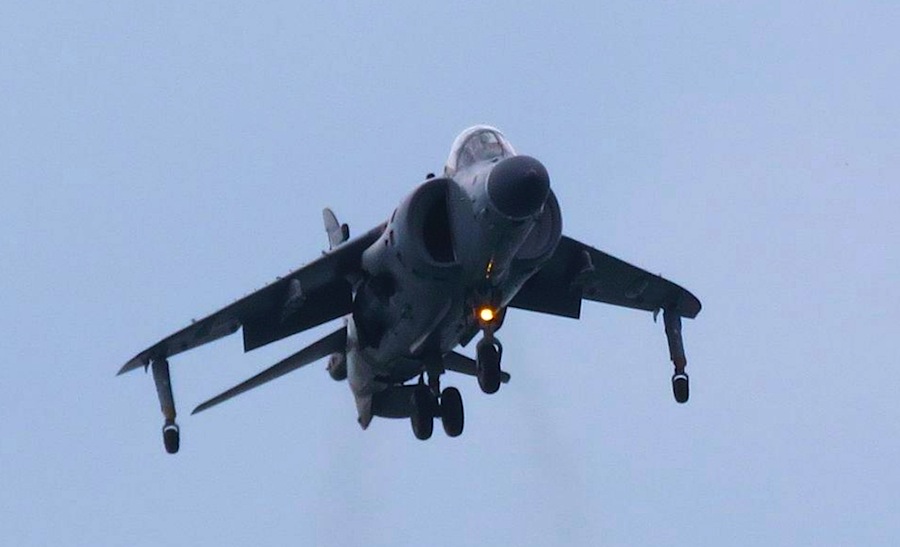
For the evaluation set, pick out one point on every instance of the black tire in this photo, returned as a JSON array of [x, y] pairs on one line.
[[487, 367], [422, 416], [452, 415], [681, 387], [171, 438]]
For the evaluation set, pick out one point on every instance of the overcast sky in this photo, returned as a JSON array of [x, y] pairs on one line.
[[160, 159]]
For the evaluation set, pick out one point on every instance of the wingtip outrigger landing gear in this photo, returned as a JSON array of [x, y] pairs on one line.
[[680, 381], [171, 434]]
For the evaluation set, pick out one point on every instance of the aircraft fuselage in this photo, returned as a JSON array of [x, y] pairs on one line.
[[455, 255], [454, 246]]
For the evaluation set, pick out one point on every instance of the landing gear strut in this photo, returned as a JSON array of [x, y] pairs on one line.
[[171, 435], [680, 381], [429, 402]]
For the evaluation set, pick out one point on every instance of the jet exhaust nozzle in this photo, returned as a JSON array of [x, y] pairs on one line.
[[518, 186]]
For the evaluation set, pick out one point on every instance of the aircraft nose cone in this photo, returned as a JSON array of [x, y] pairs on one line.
[[518, 186]]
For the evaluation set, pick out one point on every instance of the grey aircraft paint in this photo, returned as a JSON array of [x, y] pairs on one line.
[[455, 255]]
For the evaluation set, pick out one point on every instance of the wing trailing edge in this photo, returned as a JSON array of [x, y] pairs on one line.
[[324, 282], [579, 272]]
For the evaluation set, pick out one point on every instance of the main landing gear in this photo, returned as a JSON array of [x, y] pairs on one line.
[[171, 435], [680, 380], [429, 402]]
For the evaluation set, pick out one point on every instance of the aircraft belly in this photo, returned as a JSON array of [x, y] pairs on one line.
[[360, 375], [422, 318]]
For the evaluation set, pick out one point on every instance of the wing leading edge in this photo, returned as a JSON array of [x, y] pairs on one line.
[[333, 343], [307, 297], [579, 272]]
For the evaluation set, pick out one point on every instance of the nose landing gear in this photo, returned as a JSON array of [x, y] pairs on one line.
[[489, 351]]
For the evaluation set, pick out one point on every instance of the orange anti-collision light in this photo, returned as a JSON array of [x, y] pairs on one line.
[[486, 314]]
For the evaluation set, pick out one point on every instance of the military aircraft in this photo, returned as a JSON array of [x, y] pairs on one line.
[[449, 263]]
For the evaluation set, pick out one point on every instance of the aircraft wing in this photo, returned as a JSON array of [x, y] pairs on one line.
[[579, 272], [307, 297]]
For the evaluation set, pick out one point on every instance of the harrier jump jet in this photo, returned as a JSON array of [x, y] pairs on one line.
[[456, 255]]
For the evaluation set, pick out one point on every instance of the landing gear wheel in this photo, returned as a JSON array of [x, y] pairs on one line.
[[487, 365], [422, 417], [171, 437], [452, 416], [681, 387]]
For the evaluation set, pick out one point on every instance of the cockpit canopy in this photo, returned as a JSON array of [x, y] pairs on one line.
[[477, 144]]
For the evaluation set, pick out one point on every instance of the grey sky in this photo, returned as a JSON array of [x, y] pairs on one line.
[[160, 159]]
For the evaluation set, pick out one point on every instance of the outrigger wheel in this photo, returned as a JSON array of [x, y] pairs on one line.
[[171, 436], [681, 387], [680, 384]]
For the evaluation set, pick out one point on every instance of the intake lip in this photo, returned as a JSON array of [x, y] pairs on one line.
[[518, 186]]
